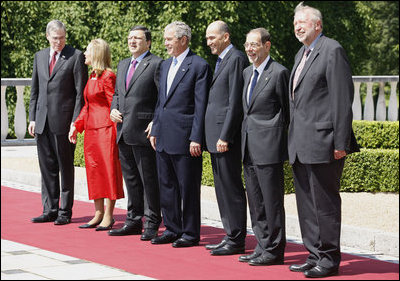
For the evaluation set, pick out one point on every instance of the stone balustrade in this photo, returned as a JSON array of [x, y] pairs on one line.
[[367, 111]]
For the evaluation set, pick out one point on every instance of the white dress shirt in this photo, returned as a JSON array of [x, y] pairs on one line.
[[174, 69]]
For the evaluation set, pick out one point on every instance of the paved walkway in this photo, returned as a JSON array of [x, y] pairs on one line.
[[21, 262]]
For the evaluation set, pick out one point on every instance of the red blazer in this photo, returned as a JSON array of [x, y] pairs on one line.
[[98, 96]]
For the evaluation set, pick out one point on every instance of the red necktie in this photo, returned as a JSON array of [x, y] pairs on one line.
[[130, 74], [52, 63]]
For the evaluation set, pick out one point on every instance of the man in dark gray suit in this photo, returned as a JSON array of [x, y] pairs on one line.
[[132, 108], [222, 130], [320, 136], [58, 79], [264, 147]]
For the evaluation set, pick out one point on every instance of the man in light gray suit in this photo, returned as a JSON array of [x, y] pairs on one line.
[[132, 108], [320, 136], [222, 130], [58, 79], [264, 147]]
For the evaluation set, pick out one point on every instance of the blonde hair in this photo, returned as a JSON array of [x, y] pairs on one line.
[[101, 55]]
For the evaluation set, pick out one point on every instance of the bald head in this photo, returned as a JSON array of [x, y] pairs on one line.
[[218, 37]]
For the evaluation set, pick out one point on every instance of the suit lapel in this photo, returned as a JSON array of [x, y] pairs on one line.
[[124, 69], [44, 61], [247, 77], [61, 60], [183, 69], [139, 70], [222, 65], [262, 82]]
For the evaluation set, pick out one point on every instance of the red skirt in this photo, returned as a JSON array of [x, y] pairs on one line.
[[103, 169]]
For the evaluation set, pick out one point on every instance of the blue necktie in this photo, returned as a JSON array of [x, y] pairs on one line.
[[253, 84], [217, 65]]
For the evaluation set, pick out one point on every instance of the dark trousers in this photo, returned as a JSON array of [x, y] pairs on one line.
[[231, 196], [139, 169], [56, 158], [180, 181], [319, 209], [265, 192]]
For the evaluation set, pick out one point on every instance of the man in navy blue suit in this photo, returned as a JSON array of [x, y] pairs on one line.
[[177, 136]]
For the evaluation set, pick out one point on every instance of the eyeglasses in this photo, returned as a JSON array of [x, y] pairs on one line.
[[253, 45]]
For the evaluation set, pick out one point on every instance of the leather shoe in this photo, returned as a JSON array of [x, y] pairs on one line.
[[319, 272], [164, 239], [62, 221], [127, 229], [149, 234], [215, 246], [108, 227], [44, 218], [300, 267], [227, 250], [183, 242], [247, 258], [265, 260]]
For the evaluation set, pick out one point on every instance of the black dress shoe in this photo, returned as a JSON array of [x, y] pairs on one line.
[[108, 227], [247, 258], [227, 250], [44, 218], [300, 267], [127, 229], [164, 239], [62, 221], [319, 272], [86, 225], [183, 242], [265, 260], [215, 246], [149, 234]]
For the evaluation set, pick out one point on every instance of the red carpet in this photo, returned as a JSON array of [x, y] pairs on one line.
[[157, 261]]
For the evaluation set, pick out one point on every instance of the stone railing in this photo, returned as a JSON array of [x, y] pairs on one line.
[[382, 111]]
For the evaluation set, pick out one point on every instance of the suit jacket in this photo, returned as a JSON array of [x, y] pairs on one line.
[[224, 110], [98, 97], [138, 102], [57, 97], [179, 116], [321, 112], [264, 127]]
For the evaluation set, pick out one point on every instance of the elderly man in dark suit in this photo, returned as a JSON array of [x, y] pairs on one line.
[[177, 135], [132, 108], [222, 130], [58, 79], [320, 136], [264, 147]]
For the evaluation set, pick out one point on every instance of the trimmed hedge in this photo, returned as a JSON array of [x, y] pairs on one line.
[[377, 134]]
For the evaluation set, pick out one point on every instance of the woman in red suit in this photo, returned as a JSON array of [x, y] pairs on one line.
[[103, 168]]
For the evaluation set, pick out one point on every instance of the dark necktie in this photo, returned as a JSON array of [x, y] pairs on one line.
[[217, 64], [52, 63], [253, 84], [130, 74]]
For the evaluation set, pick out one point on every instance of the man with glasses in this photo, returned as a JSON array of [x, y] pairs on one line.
[[132, 108], [264, 147], [58, 79]]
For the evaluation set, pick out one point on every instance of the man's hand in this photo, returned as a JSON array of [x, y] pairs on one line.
[[195, 149], [153, 142], [222, 146], [72, 133], [31, 128], [339, 154], [148, 129], [116, 116]]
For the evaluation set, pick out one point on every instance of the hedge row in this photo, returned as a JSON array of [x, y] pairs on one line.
[[371, 170], [377, 134]]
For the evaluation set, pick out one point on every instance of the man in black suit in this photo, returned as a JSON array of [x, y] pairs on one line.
[[320, 136], [58, 79], [222, 130], [264, 147], [177, 136], [132, 109]]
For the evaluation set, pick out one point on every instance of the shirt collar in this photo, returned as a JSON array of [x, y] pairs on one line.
[[262, 66], [182, 56], [311, 47], [224, 52], [139, 58]]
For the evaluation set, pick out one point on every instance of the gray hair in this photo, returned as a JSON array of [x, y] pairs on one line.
[[181, 29], [55, 25], [315, 13]]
